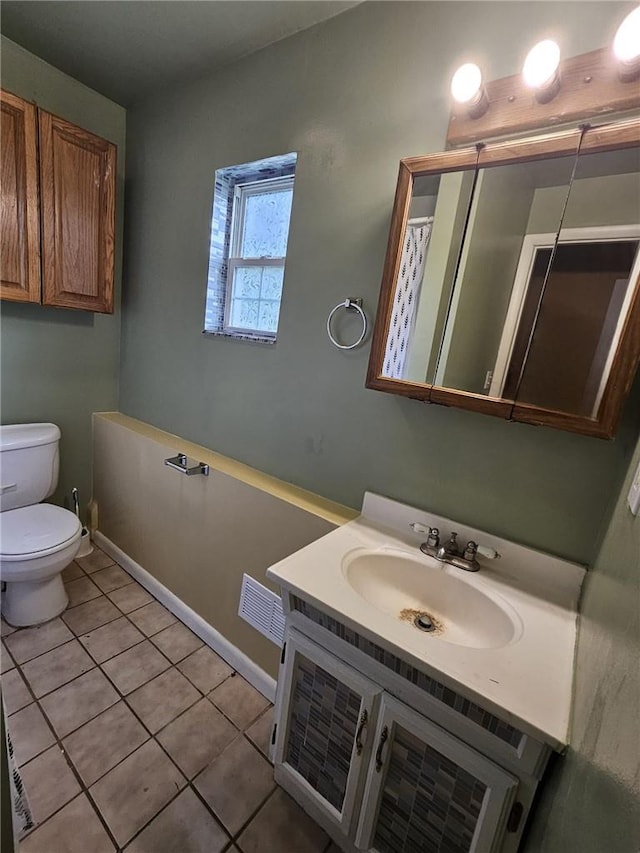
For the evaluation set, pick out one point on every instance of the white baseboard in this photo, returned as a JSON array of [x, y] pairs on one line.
[[237, 659]]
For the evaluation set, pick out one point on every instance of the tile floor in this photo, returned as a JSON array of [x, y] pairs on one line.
[[132, 735]]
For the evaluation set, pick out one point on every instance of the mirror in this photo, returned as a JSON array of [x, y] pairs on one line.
[[431, 245], [587, 293], [510, 203], [511, 280]]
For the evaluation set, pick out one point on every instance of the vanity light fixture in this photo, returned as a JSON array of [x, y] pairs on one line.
[[541, 70], [626, 46], [468, 90]]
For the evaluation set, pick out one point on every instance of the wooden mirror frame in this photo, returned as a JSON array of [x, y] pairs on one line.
[[623, 134]]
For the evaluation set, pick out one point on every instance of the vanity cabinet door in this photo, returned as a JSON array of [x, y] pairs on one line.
[[427, 792], [325, 730]]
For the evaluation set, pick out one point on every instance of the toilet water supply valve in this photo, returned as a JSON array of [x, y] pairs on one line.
[[85, 539]]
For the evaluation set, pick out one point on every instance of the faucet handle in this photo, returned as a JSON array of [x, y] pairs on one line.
[[489, 553], [470, 551], [434, 537]]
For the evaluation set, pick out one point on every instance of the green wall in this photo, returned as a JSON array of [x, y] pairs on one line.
[[352, 96], [592, 801], [60, 365], [612, 200]]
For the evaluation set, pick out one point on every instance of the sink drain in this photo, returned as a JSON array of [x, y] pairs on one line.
[[424, 622]]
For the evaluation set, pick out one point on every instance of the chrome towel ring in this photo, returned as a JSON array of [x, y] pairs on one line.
[[351, 305]]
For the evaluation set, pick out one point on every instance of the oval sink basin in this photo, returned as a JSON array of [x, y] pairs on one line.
[[407, 588]]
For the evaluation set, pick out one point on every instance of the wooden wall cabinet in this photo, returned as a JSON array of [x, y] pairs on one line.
[[19, 210], [58, 211]]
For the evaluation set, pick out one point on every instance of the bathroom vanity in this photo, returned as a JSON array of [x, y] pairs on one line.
[[395, 738]]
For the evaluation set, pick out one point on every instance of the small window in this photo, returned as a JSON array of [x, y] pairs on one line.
[[259, 233], [248, 246]]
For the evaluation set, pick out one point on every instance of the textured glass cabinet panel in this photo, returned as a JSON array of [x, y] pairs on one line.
[[322, 728], [429, 804]]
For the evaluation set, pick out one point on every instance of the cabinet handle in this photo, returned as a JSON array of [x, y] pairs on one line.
[[361, 728], [384, 734]]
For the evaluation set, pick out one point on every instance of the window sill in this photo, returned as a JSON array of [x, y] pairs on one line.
[[241, 336]]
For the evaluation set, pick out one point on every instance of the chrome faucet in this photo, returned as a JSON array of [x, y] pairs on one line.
[[450, 552]]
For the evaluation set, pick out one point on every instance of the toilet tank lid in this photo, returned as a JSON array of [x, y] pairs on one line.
[[16, 436]]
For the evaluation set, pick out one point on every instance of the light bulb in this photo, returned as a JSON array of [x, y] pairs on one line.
[[467, 89], [626, 45], [540, 70], [466, 83]]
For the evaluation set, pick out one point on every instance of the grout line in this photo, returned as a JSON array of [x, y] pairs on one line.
[[139, 832], [39, 655], [111, 657], [96, 663], [85, 789], [64, 683], [58, 737], [254, 814], [191, 782]]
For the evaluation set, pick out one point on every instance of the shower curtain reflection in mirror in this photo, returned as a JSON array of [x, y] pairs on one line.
[[406, 296]]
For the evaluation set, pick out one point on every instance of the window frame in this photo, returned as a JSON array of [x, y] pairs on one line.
[[241, 192]]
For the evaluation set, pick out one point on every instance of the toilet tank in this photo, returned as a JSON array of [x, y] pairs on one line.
[[29, 463]]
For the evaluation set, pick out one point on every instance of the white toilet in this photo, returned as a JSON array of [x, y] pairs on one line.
[[37, 541]]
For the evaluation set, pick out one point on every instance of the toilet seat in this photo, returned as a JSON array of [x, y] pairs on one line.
[[31, 532]]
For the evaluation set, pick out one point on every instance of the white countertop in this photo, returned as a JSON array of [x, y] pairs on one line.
[[528, 682]]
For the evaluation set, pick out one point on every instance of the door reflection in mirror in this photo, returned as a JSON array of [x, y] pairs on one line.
[[584, 303], [570, 351]]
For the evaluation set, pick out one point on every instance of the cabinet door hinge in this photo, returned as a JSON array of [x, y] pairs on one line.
[[273, 734], [284, 651], [515, 816]]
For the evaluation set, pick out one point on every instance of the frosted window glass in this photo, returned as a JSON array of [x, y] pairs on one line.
[[255, 299], [247, 282], [272, 282], [269, 316], [266, 224], [244, 313]]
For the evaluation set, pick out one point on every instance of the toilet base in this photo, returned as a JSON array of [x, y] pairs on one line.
[[26, 603]]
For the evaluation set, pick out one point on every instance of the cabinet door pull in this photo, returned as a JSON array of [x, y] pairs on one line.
[[384, 734], [361, 728]]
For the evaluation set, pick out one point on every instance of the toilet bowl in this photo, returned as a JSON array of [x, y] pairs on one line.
[[37, 540], [36, 544]]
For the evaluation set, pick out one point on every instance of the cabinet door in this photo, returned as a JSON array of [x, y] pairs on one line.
[[19, 225], [77, 189], [427, 792], [325, 725]]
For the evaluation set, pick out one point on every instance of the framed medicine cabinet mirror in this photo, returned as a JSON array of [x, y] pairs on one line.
[[511, 281]]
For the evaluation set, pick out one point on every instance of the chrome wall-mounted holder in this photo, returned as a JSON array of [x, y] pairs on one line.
[[179, 462], [350, 304]]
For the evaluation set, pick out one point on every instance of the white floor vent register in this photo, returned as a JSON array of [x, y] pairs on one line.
[[263, 609]]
